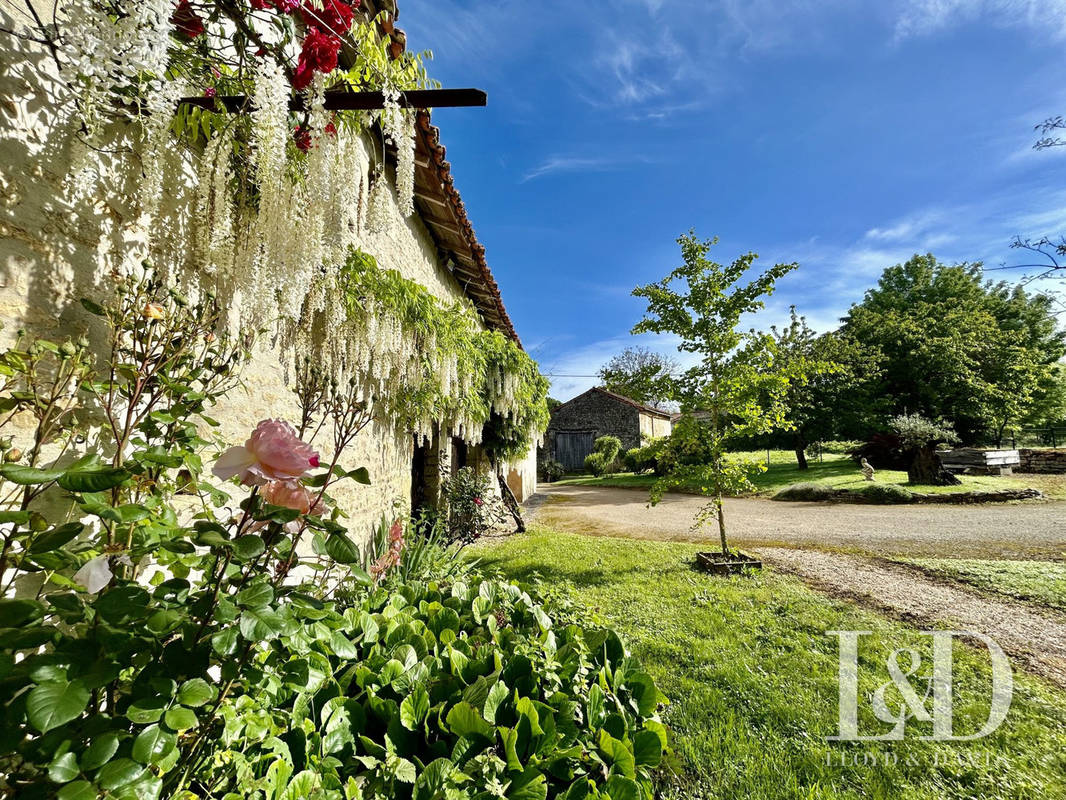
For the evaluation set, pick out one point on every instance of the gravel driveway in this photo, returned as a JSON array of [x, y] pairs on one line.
[[836, 549], [1024, 530]]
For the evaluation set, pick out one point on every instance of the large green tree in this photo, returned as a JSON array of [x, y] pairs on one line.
[[734, 390], [640, 374], [956, 347], [834, 400]]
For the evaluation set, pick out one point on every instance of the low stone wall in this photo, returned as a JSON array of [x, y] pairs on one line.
[[1051, 462]]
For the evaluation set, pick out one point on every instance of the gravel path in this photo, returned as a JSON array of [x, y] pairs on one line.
[[835, 548], [1035, 637], [1027, 530]]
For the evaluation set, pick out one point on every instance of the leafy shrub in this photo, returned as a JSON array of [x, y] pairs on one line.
[[603, 460], [596, 464], [552, 471], [472, 507], [886, 494], [608, 446], [646, 458], [836, 447], [915, 431], [806, 492]]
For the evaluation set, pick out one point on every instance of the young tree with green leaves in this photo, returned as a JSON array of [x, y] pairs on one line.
[[734, 390]]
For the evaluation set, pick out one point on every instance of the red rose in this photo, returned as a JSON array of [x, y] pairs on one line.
[[186, 20], [302, 137], [335, 16], [210, 91], [319, 54], [284, 6]]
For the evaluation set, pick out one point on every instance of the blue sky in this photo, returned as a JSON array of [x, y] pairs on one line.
[[841, 134]]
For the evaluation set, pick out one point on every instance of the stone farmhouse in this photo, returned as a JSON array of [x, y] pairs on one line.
[[575, 425]]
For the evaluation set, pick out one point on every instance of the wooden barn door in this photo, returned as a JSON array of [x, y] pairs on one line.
[[571, 448]]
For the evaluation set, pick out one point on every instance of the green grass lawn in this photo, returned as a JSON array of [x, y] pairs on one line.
[[839, 472], [1042, 582], [752, 677]]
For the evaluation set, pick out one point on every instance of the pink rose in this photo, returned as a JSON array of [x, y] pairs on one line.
[[289, 494], [273, 453]]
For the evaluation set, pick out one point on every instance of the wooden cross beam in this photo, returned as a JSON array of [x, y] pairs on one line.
[[348, 101]]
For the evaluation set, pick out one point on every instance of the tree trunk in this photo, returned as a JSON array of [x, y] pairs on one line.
[[720, 509], [801, 456], [511, 502], [926, 469]]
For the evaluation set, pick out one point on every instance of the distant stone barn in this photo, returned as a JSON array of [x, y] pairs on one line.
[[576, 424]]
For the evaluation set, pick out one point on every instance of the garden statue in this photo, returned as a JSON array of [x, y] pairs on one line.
[[867, 470]]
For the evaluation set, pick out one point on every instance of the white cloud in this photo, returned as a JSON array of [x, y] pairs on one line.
[[555, 164], [925, 17]]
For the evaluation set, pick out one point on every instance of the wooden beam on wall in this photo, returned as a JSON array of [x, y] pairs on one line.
[[354, 101]]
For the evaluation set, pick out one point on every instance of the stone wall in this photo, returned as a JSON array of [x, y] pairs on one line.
[[1043, 461], [597, 413], [55, 248]]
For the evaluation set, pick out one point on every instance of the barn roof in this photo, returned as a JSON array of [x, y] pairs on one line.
[[656, 412], [440, 206]]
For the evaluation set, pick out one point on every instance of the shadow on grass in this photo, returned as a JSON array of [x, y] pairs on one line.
[[578, 576]]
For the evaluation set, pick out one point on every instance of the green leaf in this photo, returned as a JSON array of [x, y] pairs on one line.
[[146, 710], [118, 773], [620, 788], [225, 642], [248, 547], [617, 755], [16, 517], [647, 749], [56, 538], [98, 753], [64, 768], [259, 624], [342, 549], [79, 790], [17, 612], [88, 474], [530, 785], [92, 307], [152, 744], [257, 595], [179, 719], [56, 703], [304, 785], [360, 475], [464, 720], [414, 709], [194, 693], [497, 694], [29, 476], [124, 514]]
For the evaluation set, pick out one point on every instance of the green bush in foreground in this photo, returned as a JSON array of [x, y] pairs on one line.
[[244, 645]]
